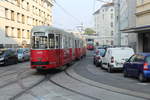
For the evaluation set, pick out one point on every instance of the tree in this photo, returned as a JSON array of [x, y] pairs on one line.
[[89, 31]]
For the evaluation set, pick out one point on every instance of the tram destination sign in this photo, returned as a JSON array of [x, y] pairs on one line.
[[39, 33]]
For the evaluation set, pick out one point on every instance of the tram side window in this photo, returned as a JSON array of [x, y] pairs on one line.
[[57, 42], [75, 43], [51, 41]]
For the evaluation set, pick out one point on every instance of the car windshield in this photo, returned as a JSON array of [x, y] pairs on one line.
[[39, 42], [19, 51], [101, 52], [148, 60], [121, 52], [2, 52]]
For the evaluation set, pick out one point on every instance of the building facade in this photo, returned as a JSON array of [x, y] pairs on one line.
[[125, 19], [17, 17], [142, 28], [143, 25], [105, 24]]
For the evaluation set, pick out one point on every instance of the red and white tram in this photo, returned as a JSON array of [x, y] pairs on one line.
[[53, 48]]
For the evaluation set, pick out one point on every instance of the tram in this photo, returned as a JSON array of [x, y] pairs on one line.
[[52, 48]]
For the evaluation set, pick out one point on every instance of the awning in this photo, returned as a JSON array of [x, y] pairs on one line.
[[142, 29]]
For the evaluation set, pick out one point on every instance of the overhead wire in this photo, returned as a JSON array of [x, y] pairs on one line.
[[65, 11]]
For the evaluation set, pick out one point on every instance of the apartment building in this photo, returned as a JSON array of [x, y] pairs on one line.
[[105, 24], [17, 17], [142, 27], [125, 19]]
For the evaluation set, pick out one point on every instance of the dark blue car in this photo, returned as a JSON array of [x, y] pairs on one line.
[[138, 66]]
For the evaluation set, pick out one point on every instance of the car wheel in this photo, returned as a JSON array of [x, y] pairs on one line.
[[94, 62], [97, 65], [5, 63], [125, 74], [109, 69], [142, 78]]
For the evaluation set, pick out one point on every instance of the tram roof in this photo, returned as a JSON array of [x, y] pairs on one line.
[[49, 29]]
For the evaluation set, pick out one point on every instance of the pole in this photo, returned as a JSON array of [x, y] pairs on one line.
[[119, 33]]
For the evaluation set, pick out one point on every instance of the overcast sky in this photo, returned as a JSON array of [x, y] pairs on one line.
[[80, 11]]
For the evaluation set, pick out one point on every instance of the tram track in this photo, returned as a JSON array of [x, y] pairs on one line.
[[26, 89], [8, 68], [71, 90], [15, 80], [11, 73], [100, 87]]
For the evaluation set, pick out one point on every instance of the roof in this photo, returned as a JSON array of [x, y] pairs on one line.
[[96, 12], [105, 5], [139, 29], [108, 5], [44, 28]]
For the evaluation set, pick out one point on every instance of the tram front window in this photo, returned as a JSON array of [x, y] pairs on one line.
[[40, 42]]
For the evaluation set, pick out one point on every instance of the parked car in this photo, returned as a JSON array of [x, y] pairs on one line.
[[115, 57], [97, 58], [23, 54], [8, 56], [138, 66]]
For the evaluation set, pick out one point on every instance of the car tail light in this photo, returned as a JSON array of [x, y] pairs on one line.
[[112, 59], [145, 66]]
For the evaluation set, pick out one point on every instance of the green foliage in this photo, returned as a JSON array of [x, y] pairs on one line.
[[89, 31]]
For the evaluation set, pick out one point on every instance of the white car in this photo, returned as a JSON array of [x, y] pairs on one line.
[[114, 58]]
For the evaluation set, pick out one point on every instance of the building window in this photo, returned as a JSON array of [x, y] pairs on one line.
[[6, 13], [12, 15], [23, 19], [23, 34], [12, 32], [6, 31], [111, 16], [33, 9], [28, 20], [36, 22], [112, 33], [18, 2], [111, 24], [18, 17], [28, 7], [18, 33], [28, 34]]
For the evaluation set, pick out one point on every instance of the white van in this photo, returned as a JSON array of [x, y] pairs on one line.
[[115, 57]]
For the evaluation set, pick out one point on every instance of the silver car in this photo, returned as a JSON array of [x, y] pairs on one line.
[[23, 54]]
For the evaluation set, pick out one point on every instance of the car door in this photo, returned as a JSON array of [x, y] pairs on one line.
[[105, 60], [129, 65], [139, 59]]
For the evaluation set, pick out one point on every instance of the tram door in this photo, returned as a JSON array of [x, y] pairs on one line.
[[58, 51]]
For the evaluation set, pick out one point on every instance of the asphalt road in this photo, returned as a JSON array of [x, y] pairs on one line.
[[88, 70], [20, 82]]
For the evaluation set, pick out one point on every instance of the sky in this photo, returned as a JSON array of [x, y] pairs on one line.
[[76, 12]]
